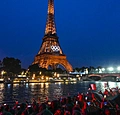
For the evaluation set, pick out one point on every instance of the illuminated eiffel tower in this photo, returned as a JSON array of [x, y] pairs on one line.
[[50, 53]]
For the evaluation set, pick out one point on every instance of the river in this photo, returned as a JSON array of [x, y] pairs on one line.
[[9, 93]]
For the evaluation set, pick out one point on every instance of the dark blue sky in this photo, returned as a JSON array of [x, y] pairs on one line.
[[88, 30]]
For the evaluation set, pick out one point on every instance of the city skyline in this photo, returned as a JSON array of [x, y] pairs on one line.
[[88, 31]]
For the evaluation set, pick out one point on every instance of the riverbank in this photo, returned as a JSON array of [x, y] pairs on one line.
[[41, 81]]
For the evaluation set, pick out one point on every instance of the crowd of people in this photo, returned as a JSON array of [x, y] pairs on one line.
[[89, 103]]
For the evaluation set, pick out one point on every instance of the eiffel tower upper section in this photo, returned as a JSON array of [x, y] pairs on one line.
[[50, 25], [50, 42]]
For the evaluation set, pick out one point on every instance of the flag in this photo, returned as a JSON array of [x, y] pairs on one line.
[[93, 86]]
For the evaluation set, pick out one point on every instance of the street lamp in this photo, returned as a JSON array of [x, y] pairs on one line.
[[55, 74], [2, 72], [40, 73]]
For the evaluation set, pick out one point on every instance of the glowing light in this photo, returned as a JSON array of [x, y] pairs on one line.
[[22, 73], [58, 75], [9, 85], [15, 85], [2, 72], [103, 69], [55, 74], [110, 68], [77, 75], [118, 68], [42, 85], [42, 77], [32, 84], [40, 73]]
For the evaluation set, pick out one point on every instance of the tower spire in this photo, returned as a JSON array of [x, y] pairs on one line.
[[50, 24]]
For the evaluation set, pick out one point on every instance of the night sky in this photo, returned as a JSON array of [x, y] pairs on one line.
[[88, 30]]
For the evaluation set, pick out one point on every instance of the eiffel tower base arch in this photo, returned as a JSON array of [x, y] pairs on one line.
[[46, 60]]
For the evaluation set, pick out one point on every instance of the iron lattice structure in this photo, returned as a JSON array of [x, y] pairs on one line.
[[50, 53]]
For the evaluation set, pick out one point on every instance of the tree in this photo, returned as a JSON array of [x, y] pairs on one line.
[[0, 63], [59, 70], [12, 66], [91, 69], [83, 69], [34, 68], [77, 69]]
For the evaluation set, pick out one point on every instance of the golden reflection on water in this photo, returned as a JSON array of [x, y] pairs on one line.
[[1, 86], [1, 92], [15, 85]]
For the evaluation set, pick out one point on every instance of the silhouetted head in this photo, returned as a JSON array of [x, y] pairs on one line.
[[22, 105], [42, 107], [68, 99]]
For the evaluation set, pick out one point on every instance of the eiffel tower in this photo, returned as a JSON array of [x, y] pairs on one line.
[[50, 53]]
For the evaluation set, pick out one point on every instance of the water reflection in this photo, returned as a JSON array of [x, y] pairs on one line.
[[1, 92], [26, 92]]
